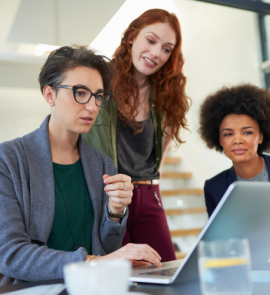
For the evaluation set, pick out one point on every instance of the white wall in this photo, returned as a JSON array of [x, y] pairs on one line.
[[22, 111]]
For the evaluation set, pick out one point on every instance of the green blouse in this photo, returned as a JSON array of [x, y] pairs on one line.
[[74, 215]]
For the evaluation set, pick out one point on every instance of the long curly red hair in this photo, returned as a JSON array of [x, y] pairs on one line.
[[169, 82]]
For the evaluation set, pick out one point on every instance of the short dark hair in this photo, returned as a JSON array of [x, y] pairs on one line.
[[68, 57], [242, 99]]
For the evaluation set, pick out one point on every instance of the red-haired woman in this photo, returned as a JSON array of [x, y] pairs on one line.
[[147, 112]]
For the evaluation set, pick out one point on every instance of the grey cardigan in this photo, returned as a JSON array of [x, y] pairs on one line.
[[27, 204]]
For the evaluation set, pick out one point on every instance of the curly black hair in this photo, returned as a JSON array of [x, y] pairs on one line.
[[241, 99]]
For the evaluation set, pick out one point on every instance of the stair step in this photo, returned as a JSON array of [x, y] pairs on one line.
[[180, 255], [183, 191], [171, 160], [171, 212], [183, 175], [185, 232]]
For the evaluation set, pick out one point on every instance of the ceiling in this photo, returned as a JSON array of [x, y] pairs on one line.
[[26, 23]]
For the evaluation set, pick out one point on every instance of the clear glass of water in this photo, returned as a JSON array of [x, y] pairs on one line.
[[225, 267]]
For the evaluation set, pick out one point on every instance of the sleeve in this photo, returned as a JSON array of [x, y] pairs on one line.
[[209, 200], [21, 259], [111, 232]]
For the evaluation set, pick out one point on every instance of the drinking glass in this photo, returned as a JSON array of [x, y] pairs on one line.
[[224, 267]]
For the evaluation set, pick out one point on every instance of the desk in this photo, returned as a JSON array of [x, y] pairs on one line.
[[191, 288]]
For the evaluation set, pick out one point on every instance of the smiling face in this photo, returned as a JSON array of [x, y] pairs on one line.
[[70, 115], [152, 48], [239, 135]]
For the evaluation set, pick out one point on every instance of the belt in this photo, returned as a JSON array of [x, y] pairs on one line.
[[145, 182]]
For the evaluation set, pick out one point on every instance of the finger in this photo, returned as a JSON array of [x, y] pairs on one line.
[[146, 256], [120, 201], [120, 194], [119, 186], [145, 247], [117, 178], [105, 176], [133, 252], [143, 252], [137, 263]]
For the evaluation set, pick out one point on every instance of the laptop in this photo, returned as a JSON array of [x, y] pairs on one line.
[[243, 212]]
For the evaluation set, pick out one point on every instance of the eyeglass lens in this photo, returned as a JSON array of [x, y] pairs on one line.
[[82, 96]]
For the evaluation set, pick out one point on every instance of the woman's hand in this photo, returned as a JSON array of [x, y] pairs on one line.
[[139, 254], [119, 189]]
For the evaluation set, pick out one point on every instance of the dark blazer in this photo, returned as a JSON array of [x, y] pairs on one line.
[[27, 204], [215, 188]]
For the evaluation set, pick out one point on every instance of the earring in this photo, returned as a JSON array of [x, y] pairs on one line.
[[53, 107], [130, 42]]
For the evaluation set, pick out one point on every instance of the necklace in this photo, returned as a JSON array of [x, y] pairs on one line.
[[69, 225], [130, 123]]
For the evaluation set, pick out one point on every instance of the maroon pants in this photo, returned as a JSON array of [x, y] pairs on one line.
[[147, 222]]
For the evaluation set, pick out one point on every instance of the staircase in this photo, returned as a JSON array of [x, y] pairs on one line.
[[184, 206]]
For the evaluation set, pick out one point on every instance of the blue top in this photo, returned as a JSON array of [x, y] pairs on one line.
[[215, 188]]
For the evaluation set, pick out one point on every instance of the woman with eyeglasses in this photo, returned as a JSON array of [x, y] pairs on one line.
[[236, 121], [60, 200], [145, 115]]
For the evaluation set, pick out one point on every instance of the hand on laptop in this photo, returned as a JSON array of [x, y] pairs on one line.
[[137, 263], [139, 254]]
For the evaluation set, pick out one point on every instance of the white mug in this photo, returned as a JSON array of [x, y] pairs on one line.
[[97, 277]]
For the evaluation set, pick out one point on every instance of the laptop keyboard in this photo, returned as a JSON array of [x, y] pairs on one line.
[[164, 272]]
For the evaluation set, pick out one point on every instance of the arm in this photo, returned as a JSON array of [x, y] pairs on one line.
[[20, 258], [167, 141], [119, 189]]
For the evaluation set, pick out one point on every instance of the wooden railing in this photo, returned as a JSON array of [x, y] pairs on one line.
[[185, 232], [181, 175], [195, 210], [182, 191]]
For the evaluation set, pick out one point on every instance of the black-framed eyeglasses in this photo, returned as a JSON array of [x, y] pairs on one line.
[[82, 95]]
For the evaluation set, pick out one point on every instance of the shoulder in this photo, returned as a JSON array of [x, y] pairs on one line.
[[267, 159], [16, 152], [12, 157], [220, 176], [219, 180], [10, 149]]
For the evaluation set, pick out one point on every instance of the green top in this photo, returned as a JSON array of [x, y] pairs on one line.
[[102, 135], [74, 213]]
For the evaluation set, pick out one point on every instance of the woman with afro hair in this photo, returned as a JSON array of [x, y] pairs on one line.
[[236, 121]]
